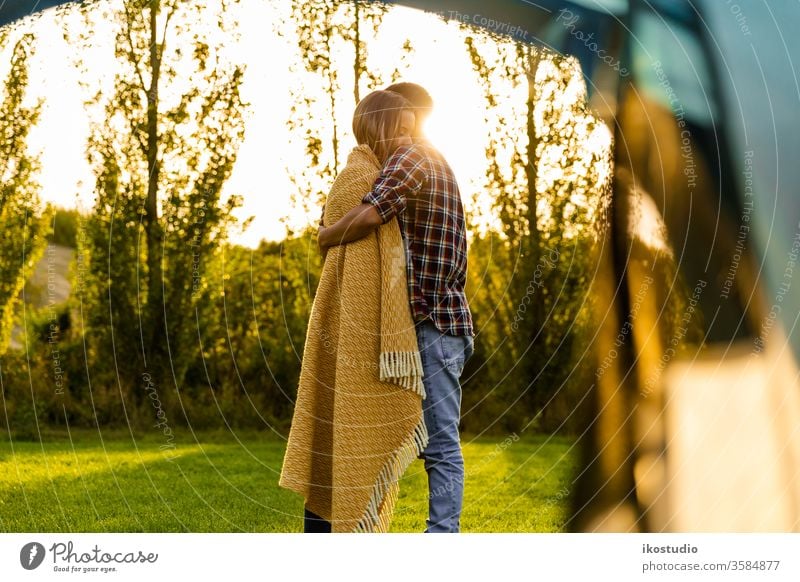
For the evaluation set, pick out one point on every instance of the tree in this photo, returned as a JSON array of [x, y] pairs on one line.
[[328, 33], [22, 220], [547, 186], [161, 150], [574, 168]]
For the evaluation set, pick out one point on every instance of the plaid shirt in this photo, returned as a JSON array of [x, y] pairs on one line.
[[418, 186]]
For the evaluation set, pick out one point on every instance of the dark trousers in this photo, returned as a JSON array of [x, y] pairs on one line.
[[312, 523]]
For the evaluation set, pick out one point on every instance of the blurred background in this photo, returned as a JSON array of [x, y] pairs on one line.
[[630, 179]]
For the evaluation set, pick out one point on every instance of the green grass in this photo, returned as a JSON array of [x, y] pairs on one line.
[[113, 482]]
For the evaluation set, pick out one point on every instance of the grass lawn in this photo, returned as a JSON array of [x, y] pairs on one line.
[[112, 482]]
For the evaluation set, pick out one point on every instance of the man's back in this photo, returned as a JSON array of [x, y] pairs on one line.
[[418, 186]]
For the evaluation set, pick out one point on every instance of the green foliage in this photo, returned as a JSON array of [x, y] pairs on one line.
[[22, 220], [529, 276], [41, 389], [64, 230], [159, 218], [254, 333], [219, 329]]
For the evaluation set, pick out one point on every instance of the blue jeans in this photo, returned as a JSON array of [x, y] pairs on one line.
[[443, 358]]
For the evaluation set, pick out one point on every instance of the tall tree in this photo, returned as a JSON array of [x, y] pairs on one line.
[[162, 151], [22, 220], [547, 179], [574, 166], [510, 185], [328, 33]]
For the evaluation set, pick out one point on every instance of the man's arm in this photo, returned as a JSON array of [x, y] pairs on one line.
[[402, 176], [356, 224]]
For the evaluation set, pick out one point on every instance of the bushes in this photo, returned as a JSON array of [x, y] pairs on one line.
[[64, 230], [249, 335]]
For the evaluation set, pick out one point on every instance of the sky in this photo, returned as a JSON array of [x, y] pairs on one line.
[[457, 125]]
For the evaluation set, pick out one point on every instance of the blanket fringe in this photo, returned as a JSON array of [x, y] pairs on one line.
[[403, 369], [387, 487]]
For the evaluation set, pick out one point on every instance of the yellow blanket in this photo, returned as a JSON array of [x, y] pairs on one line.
[[357, 422]]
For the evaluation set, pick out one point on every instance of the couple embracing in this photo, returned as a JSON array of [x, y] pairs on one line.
[[389, 333]]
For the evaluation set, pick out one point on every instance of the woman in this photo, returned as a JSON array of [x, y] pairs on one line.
[[358, 421]]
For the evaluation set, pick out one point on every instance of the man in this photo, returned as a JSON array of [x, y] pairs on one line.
[[418, 186]]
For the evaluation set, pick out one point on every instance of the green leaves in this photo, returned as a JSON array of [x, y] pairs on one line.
[[22, 220], [161, 151]]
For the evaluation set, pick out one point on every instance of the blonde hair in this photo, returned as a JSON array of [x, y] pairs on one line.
[[377, 119]]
